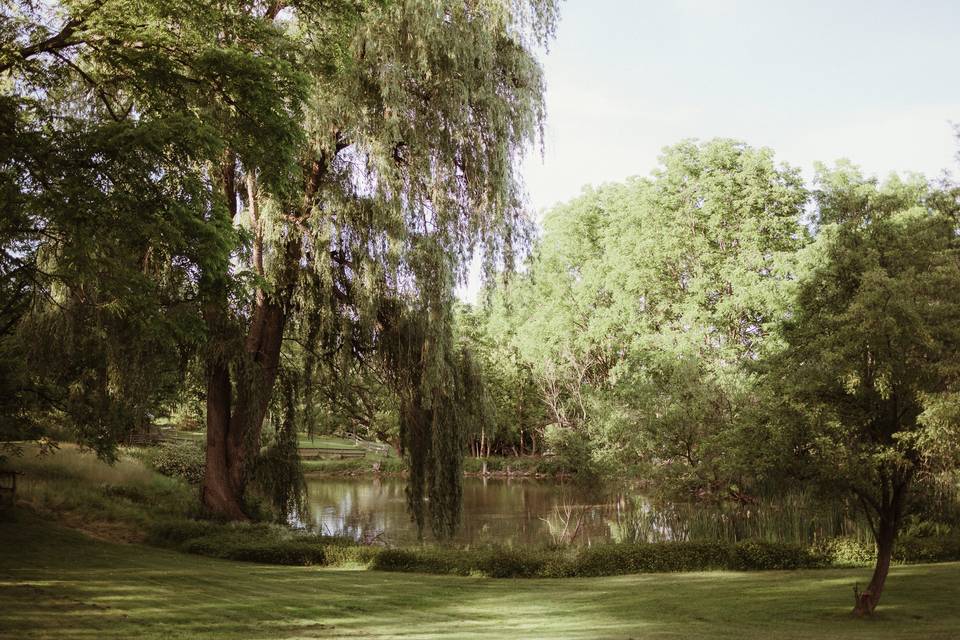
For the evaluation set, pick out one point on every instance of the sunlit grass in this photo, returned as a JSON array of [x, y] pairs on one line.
[[56, 583], [324, 442], [115, 500]]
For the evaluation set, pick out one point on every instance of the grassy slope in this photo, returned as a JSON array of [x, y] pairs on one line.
[[57, 583]]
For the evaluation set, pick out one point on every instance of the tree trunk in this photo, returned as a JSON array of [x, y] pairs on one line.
[[220, 495], [890, 510], [237, 408], [867, 600], [234, 424]]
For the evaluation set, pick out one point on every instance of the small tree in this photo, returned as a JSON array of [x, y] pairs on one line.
[[871, 352]]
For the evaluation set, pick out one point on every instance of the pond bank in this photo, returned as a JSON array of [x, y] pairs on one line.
[[494, 467], [76, 488]]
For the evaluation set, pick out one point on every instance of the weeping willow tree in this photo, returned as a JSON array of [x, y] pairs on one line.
[[216, 180], [412, 132]]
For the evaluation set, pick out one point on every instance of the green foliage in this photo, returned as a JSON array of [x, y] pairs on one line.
[[354, 466], [377, 143], [293, 552], [644, 298], [869, 359], [180, 459], [570, 450], [620, 559]]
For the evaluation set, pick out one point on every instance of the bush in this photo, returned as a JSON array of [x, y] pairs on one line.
[[847, 552], [288, 552], [278, 545], [184, 460], [768, 555], [173, 533], [598, 560], [927, 549], [572, 451], [347, 555], [520, 465]]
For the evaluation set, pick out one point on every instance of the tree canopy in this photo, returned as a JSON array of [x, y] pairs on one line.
[[240, 175]]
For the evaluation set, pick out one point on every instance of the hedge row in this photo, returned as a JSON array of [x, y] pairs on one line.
[[276, 545], [599, 560]]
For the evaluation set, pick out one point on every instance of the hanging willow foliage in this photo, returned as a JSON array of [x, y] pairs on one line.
[[429, 115], [317, 171], [277, 471], [440, 391]]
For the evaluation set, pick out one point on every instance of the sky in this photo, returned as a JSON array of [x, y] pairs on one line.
[[874, 82]]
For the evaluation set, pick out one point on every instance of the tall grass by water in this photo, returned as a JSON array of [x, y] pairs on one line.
[[794, 517]]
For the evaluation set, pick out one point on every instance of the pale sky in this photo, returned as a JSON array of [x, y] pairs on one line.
[[875, 82]]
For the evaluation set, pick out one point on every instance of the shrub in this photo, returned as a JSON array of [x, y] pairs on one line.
[[927, 548], [288, 552], [847, 552], [183, 460], [278, 545], [572, 451], [346, 555], [173, 533], [131, 492], [767, 555]]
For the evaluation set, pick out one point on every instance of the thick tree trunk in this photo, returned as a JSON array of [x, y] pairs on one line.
[[220, 495], [237, 408], [234, 424]]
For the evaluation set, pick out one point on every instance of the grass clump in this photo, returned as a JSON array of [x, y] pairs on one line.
[[119, 501]]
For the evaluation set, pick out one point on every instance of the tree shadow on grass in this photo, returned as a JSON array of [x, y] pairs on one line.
[[59, 584]]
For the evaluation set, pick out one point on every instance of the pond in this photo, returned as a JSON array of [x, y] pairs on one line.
[[520, 511]]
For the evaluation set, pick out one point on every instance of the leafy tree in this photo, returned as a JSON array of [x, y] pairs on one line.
[[516, 415], [253, 172], [645, 298], [866, 380]]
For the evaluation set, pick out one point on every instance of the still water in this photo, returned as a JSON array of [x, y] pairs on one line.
[[516, 511]]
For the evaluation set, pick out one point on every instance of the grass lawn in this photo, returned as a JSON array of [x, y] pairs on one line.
[[58, 583], [325, 442]]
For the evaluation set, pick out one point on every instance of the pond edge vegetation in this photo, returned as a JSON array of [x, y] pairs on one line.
[[129, 501]]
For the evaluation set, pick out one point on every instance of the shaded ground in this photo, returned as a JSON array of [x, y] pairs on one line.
[[57, 583]]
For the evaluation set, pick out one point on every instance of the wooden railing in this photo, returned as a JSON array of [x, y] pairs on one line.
[[376, 447]]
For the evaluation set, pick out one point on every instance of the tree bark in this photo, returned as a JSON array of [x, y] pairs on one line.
[[867, 600], [220, 495], [237, 405], [234, 424], [890, 511]]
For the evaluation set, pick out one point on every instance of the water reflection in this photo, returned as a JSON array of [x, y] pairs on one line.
[[517, 511]]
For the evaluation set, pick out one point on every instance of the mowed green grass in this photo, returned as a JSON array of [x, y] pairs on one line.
[[58, 583], [325, 442]]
